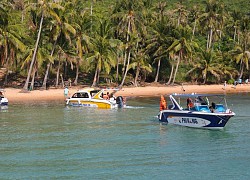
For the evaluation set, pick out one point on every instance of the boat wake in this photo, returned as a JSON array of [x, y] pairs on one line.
[[133, 107]]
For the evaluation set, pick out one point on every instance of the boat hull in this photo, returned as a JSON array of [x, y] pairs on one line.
[[195, 119], [104, 105], [4, 102]]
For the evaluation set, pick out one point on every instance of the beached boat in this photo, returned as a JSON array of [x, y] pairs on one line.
[[195, 110], [101, 98], [3, 100]]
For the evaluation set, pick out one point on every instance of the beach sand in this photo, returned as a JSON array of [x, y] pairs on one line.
[[17, 95]]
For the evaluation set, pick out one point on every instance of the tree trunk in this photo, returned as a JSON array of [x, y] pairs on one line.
[[58, 72], [158, 70], [117, 70], [77, 73], [34, 55], [62, 80], [171, 75], [137, 74], [126, 52], [124, 77], [46, 77], [211, 37], [208, 40], [241, 70], [48, 67], [124, 61], [6, 78], [177, 66], [194, 29], [205, 79], [235, 31], [32, 81], [95, 77]]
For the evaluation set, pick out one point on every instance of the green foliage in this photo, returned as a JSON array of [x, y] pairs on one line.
[[230, 81], [208, 40]]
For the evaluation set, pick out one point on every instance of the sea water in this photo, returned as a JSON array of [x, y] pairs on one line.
[[48, 140]]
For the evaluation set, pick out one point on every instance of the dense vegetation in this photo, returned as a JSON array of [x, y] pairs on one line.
[[116, 43]]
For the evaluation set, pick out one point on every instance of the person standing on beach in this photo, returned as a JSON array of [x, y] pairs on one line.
[[66, 92], [225, 85]]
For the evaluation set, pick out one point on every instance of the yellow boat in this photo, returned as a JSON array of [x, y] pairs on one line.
[[100, 98]]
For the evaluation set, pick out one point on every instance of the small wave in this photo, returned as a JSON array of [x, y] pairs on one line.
[[133, 107]]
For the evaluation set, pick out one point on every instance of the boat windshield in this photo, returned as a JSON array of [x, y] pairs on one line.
[[80, 95], [94, 92]]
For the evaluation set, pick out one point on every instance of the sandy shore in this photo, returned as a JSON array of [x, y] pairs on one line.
[[16, 95]]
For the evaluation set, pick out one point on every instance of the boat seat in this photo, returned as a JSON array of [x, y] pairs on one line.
[[220, 108], [202, 108]]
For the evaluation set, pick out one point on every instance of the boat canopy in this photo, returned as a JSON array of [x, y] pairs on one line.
[[196, 95]]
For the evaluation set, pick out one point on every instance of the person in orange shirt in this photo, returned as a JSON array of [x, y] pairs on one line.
[[163, 103], [190, 103]]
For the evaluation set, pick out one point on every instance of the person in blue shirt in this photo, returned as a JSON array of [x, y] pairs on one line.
[[66, 92]]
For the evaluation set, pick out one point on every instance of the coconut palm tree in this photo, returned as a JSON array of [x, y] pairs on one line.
[[102, 55], [140, 64], [208, 64], [61, 28], [11, 42], [211, 19], [182, 46], [159, 36], [242, 57], [45, 9]]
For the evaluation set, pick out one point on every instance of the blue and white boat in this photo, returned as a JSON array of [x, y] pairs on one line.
[[3, 100], [195, 110]]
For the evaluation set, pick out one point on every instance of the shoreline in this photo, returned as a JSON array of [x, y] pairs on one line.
[[52, 94]]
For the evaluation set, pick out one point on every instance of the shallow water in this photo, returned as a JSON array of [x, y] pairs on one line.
[[51, 141]]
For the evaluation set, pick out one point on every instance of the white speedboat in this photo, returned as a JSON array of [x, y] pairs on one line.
[[195, 110], [4, 101], [101, 98]]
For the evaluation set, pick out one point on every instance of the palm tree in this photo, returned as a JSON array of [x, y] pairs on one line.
[[182, 14], [208, 64], [241, 51], [60, 27], [235, 22], [194, 16], [241, 56], [103, 55], [10, 38], [211, 19], [83, 23], [159, 38], [45, 8], [141, 65], [181, 45]]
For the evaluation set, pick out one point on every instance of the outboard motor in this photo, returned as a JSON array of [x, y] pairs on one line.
[[119, 101]]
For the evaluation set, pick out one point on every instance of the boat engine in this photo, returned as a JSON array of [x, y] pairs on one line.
[[119, 101]]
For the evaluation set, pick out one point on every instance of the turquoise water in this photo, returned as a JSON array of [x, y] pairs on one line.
[[51, 141]]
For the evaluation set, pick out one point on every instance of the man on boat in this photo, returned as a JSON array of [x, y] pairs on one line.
[[163, 103], [106, 96], [190, 103]]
